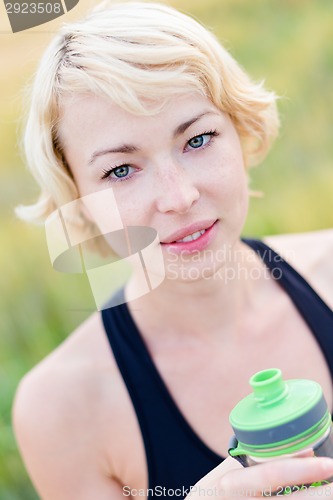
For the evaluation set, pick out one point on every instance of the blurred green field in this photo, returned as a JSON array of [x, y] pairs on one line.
[[287, 42]]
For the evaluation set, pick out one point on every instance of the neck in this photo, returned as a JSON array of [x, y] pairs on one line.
[[213, 305]]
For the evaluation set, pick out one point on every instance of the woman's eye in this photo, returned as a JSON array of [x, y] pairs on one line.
[[121, 171], [117, 173], [201, 140]]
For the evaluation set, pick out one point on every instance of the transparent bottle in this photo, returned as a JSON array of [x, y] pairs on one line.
[[281, 418]]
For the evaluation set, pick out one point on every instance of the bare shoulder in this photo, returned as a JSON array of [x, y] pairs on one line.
[[58, 417], [311, 255]]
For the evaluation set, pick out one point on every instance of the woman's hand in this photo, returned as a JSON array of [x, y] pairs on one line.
[[278, 477]]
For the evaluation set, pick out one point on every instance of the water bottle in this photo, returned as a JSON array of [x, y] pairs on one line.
[[281, 418]]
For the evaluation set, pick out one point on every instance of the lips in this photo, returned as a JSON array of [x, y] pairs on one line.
[[186, 231], [192, 237]]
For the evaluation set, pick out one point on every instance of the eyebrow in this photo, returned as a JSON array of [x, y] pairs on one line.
[[184, 126], [124, 148], [130, 148]]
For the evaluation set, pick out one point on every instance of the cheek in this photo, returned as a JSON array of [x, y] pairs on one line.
[[133, 204], [228, 178], [228, 186]]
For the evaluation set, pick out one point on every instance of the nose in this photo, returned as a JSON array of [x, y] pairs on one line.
[[175, 190]]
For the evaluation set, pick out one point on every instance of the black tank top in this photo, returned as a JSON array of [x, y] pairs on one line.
[[176, 456]]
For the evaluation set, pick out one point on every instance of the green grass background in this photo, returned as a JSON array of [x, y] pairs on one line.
[[287, 42]]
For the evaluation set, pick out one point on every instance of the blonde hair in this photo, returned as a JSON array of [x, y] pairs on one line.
[[129, 52]]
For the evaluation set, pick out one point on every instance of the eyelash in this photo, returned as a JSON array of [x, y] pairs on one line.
[[212, 133], [108, 171]]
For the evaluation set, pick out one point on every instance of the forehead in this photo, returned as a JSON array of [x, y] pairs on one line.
[[91, 115]]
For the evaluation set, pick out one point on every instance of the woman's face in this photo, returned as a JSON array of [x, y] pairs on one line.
[[180, 172]]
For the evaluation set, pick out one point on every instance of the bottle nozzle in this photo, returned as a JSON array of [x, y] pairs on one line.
[[268, 386]]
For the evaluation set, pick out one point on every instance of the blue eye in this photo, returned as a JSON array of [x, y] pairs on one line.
[[116, 174], [121, 171], [200, 141], [197, 141]]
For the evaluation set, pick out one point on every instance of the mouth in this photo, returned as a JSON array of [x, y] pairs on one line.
[[194, 237], [191, 237]]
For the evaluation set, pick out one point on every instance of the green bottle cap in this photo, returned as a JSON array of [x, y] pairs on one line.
[[278, 413]]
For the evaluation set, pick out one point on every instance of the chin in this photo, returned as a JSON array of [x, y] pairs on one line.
[[192, 271]]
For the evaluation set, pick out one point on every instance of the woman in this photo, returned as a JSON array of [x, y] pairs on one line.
[[141, 105]]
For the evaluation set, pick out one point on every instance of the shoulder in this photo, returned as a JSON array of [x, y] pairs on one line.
[[58, 410], [311, 255]]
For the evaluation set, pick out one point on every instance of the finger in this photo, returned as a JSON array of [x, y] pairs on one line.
[[276, 474], [309, 492], [209, 481], [214, 476]]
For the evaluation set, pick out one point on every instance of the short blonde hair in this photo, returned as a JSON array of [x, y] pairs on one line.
[[129, 52]]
